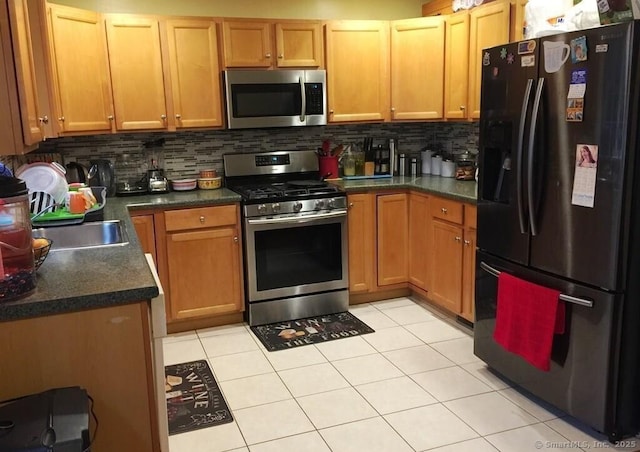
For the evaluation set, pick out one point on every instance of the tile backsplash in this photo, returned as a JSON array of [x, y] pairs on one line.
[[185, 153]]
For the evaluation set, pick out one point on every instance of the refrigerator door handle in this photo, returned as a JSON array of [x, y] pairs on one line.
[[568, 298], [532, 139], [519, 188]]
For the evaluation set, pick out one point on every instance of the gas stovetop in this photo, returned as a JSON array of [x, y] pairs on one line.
[[296, 189]]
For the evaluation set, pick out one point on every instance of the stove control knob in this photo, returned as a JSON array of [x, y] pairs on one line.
[[275, 207], [262, 209], [330, 204], [320, 204], [297, 206]]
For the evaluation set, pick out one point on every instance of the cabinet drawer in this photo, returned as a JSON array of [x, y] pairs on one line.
[[447, 210], [200, 217], [470, 216]]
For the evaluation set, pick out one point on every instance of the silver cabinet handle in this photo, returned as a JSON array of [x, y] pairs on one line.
[[202, 219], [568, 298]]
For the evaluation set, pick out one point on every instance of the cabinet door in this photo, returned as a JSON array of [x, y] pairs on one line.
[[80, 70], [393, 239], [419, 248], [247, 44], [468, 274], [299, 44], [25, 71], [204, 272], [446, 265], [489, 27], [362, 242], [136, 72], [146, 234], [456, 70], [358, 70], [516, 31], [417, 68], [10, 126], [192, 49]]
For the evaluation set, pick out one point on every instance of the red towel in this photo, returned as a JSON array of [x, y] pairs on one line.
[[527, 317]]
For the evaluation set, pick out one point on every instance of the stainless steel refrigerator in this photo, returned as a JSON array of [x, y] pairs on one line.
[[555, 214]]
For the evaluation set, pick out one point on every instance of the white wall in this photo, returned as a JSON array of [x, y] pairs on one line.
[[284, 9]]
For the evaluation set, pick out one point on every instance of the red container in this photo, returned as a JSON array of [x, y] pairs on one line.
[[328, 167]]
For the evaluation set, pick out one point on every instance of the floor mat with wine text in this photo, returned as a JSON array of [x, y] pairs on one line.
[[194, 399], [310, 330]]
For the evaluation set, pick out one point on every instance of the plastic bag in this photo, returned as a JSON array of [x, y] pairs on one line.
[[545, 17], [584, 15]]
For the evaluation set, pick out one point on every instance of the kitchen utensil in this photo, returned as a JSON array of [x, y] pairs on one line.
[[105, 175], [156, 181], [76, 173]]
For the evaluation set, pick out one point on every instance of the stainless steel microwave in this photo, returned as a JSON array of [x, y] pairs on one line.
[[280, 98]]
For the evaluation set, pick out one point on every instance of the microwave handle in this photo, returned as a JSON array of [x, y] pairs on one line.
[[304, 101]]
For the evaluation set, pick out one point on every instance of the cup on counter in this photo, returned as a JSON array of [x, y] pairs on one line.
[[436, 165], [76, 202], [328, 166]]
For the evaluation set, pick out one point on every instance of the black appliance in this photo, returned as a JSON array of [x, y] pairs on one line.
[[55, 420], [295, 236], [548, 217]]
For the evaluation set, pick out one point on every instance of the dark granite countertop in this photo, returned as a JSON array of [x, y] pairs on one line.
[[465, 191], [73, 280]]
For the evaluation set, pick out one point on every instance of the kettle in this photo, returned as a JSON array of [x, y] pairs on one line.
[[104, 176]]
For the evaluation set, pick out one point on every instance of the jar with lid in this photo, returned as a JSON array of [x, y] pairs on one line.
[[17, 268], [466, 166]]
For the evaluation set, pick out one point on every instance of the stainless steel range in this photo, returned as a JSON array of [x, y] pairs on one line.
[[295, 236]]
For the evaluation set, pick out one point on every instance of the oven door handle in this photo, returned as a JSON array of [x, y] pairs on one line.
[[297, 220]]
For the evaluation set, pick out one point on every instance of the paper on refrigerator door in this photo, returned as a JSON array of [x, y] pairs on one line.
[[584, 179]]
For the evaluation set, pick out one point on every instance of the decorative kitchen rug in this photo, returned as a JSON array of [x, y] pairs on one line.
[[194, 399], [311, 330]]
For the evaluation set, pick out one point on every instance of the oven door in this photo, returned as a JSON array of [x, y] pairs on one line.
[[292, 256]]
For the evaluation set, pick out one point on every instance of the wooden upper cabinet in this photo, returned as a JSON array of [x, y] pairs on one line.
[[437, 7], [25, 72], [358, 70], [417, 68], [299, 44], [192, 52], [81, 89], [516, 31], [10, 125], [489, 27], [456, 71], [393, 238], [247, 44], [136, 72]]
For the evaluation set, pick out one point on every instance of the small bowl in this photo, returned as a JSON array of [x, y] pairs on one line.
[[209, 183], [183, 184], [208, 174]]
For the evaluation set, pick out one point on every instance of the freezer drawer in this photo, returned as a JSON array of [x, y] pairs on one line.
[[581, 362]]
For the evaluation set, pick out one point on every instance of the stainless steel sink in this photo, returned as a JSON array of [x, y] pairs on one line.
[[86, 235]]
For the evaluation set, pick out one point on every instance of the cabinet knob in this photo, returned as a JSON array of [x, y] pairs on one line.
[[110, 117], [44, 119], [235, 239], [178, 116], [281, 56], [467, 243], [463, 108], [268, 55], [61, 119], [163, 117], [444, 210], [330, 112], [393, 109], [350, 205], [202, 219], [458, 239]]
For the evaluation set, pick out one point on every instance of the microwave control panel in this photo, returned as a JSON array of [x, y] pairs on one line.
[[315, 98]]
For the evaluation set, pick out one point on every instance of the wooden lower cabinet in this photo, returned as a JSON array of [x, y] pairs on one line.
[[204, 262], [419, 240], [144, 225], [393, 238], [362, 242], [469, 263], [446, 265]]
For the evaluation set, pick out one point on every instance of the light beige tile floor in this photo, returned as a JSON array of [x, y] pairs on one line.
[[413, 385]]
